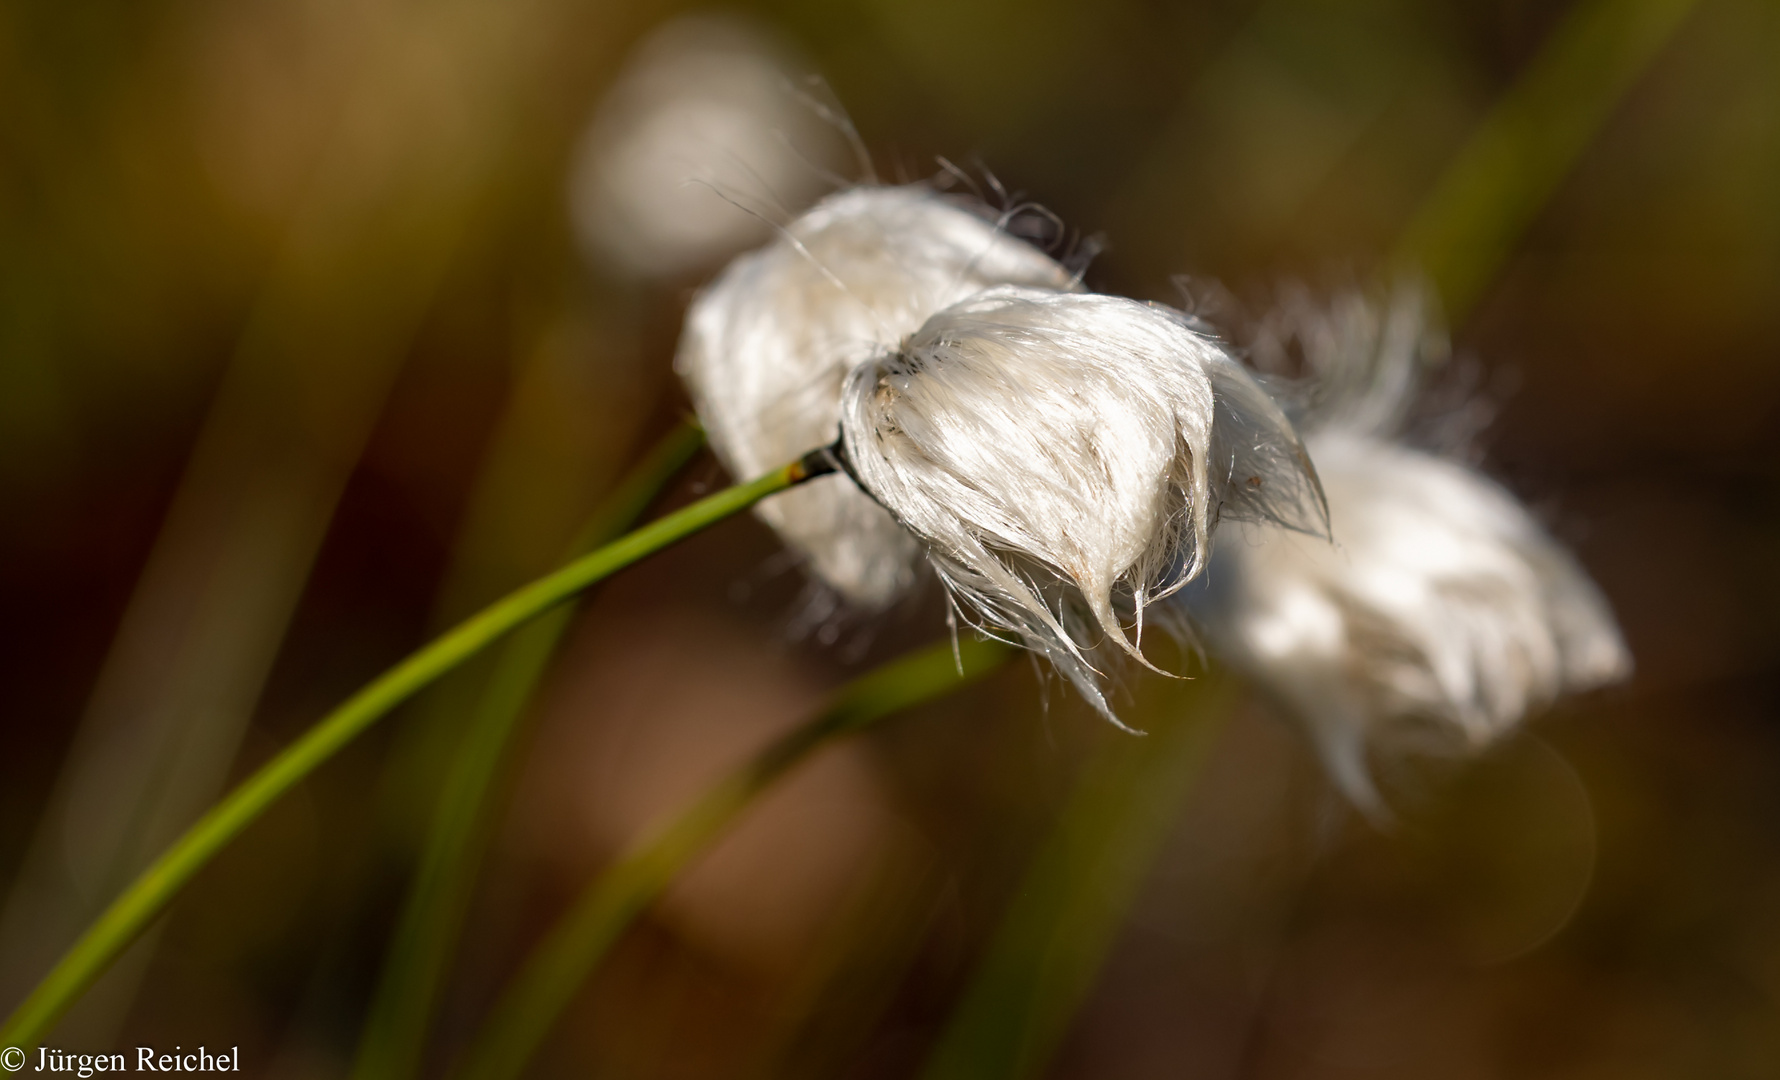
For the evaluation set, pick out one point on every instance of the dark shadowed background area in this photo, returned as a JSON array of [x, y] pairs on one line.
[[301, 359]]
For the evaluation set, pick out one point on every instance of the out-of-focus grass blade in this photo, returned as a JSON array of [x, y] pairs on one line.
[[1469, 224], [1048, 950], [394, 1038], [575, 945], [365, 252]]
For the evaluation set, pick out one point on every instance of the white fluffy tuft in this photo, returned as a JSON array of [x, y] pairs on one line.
[[1061, 448], [1443, 608], [768, 343]]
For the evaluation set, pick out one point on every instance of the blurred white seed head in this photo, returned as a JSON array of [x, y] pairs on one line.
[[1442, 614], [768, 343], [705, 115], [1058, 449], [1363, 362]]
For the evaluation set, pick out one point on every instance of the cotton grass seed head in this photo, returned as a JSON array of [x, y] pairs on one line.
[[768, 343], [1058, 449], [1443, 613], [701, 140]]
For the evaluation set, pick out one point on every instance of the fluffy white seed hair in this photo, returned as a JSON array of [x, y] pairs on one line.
[[768, 343], [702, 117], [1442, 614], [1055, 449]]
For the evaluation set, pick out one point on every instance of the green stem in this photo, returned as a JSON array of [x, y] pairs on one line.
[[394, 1038], [151, 892], [574, 946]]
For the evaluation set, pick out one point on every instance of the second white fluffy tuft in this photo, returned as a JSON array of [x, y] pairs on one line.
[[768, 343], [1443, 614]]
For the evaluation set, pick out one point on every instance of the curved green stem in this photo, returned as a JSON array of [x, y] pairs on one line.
[[420, 952], [151, 892], [560, 963]]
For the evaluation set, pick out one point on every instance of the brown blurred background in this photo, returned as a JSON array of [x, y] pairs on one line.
[[300, 357]]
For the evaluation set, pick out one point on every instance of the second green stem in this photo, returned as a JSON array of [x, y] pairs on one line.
[[420, 952], [573, 947]]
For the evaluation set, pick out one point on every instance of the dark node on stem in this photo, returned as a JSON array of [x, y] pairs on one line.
[[833, 458], [824, 460]]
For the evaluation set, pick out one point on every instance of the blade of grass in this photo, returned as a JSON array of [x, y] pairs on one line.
[[1468, 225], [426, 935], [365, 249], [127, 916], [561, 962], [1048, 949]]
